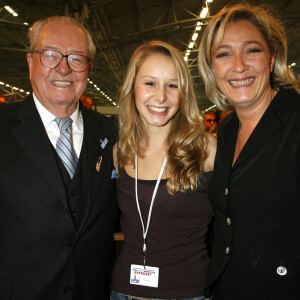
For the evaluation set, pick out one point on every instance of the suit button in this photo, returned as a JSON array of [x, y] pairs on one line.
[[73, 193], [226, 192], [228, 221], [281, 271], [227, 250], [68, 290], [74, 212]]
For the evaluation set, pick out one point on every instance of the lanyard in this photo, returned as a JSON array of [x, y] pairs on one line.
[[151, 205]]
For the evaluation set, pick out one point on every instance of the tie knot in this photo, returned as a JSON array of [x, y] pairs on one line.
[[63, 123]]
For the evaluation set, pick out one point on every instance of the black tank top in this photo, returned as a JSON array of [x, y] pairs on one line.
[[176, 240]]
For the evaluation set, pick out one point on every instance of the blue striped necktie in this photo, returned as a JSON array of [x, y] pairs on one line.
[[64, 146]]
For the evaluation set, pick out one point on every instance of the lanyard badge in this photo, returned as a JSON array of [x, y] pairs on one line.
[[145, 275]]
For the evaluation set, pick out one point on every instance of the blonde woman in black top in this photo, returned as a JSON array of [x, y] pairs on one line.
[[256, 179], [163, 159]]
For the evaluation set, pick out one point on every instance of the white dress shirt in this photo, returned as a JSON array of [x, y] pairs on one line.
[[52, 128]]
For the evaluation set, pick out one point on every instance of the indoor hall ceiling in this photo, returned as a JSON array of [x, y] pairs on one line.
[[118, 27]]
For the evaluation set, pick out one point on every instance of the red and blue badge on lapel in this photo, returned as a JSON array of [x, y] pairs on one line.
[[99, 161]]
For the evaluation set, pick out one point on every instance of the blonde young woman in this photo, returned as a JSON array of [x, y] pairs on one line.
[[256, 179], [164, 161]]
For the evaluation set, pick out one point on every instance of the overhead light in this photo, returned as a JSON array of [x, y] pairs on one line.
[[194, 37], [210, 108], [25, 23], [188, 53], [292, 65], [185, 58], [13, 87], [191, 45], [9, 9], [99, 89], [204, 12], [209, 1]]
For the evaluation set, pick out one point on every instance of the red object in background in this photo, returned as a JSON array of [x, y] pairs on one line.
[[86, 101], [2, 100]]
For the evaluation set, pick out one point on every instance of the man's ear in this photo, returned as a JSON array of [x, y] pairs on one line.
[[29, 57]]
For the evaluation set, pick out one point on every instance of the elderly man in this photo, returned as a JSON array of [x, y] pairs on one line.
[[57, 198]]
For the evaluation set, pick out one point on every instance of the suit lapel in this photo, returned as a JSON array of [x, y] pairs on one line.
[[92, 136], [32, 137], [227, 145], [267, 127]]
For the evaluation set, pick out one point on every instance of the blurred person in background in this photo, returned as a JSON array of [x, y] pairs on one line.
[[221, 115], [209, 122]]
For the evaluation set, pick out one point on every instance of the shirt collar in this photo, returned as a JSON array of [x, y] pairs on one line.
[[47, 117]]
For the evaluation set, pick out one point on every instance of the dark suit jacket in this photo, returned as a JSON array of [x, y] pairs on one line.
[[42, 254], [256, 252]]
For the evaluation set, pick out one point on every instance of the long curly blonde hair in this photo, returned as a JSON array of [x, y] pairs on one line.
[[187, 143]]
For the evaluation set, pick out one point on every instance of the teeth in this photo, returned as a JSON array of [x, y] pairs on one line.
[[62, 83], [241, 82], [157, 109]]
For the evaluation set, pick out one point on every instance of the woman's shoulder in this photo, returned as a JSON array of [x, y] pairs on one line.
[[211, 149], [115, 148]]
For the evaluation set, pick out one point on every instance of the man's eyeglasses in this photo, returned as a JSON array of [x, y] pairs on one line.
[[52, 58]]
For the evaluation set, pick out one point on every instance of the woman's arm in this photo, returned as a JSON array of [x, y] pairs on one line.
[[211, 152]]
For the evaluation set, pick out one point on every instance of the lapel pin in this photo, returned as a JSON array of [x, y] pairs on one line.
[[103, 143], [114, 174], [99, 163]]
